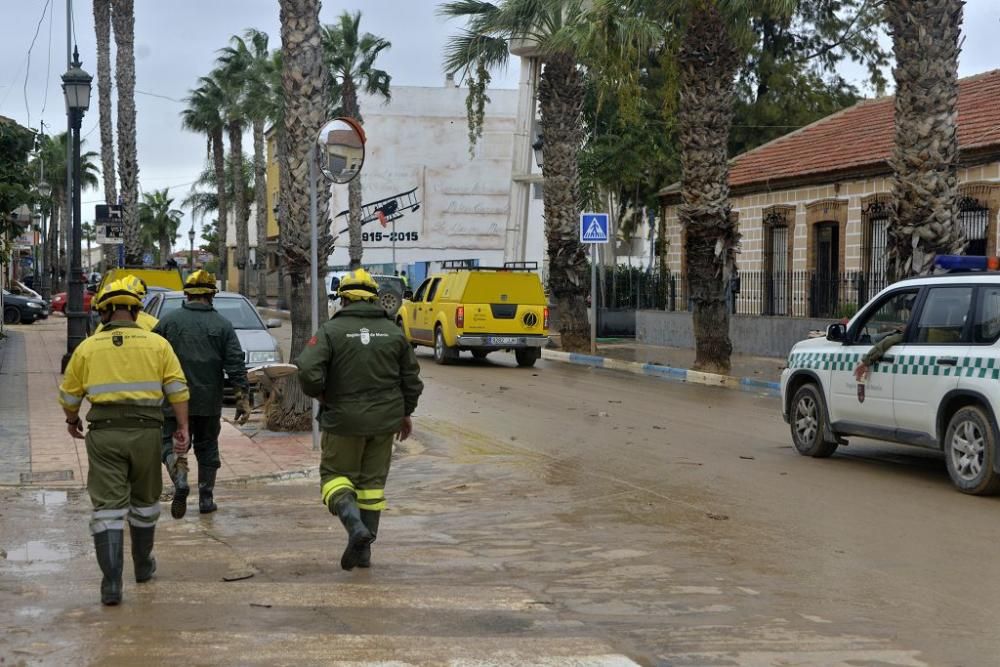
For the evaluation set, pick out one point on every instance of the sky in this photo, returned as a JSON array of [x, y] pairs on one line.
[[176, 42]]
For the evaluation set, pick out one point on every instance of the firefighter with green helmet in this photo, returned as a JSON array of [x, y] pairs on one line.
[[126, 372], [367, 380], [209, 351]]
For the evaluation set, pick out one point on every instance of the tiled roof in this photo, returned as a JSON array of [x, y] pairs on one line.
[[861, 138]]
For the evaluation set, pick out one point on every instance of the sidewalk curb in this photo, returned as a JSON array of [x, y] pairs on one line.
[[665, 372]]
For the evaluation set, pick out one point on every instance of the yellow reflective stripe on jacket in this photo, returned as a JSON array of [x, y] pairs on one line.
[[123, 365], [371, 499], [332, 486]]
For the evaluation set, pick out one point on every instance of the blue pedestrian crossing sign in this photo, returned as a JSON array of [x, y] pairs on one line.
[[594, 228]]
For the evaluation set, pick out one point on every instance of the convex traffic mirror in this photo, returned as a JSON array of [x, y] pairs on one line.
[[341, 150]]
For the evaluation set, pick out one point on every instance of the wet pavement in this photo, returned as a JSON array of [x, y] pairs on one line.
[[555, 516]]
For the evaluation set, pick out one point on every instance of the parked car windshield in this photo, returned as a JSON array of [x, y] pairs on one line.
[[235, 309]]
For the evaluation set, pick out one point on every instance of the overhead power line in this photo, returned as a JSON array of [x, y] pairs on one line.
[[27, 71]]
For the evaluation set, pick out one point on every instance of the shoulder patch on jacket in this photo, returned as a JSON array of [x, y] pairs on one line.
[[312, 341]]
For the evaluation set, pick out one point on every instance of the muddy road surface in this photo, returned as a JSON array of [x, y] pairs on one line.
[[554, 516]]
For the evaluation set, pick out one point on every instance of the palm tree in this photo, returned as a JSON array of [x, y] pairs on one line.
[[123, 17], [53, 153], [250, 55], [233, 82], [483, 46], [204, 197], [924, 214], [203, 114], [159, 220], [714, 35], [102, 26], [350, 59], [88, 234], [304, 88]]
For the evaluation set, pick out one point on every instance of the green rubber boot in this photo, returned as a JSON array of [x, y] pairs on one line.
[[370, 519], [358, 535], [142, 550], [109, 545]]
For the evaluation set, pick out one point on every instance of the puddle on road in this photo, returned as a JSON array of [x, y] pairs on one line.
[[49, 498], [38, 556]]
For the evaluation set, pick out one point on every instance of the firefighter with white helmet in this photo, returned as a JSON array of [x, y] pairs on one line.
[[367, 380], [126, 373]]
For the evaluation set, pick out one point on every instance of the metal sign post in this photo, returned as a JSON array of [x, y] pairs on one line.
[[594, 229]]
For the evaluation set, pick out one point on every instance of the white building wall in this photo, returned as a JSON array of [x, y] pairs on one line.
[[420, 139]]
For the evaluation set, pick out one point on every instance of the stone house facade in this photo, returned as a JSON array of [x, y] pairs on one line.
[[810, 206]]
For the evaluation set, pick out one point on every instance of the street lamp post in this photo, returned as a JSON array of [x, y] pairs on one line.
[[44, 191], [76, 87], [191, 257]]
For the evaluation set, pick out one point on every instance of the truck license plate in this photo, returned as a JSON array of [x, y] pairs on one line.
[[501, 340]]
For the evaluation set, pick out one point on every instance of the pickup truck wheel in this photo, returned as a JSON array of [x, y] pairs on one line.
[[970, 448], [527, 357], [11, 315], [443, 354], [808, 422]]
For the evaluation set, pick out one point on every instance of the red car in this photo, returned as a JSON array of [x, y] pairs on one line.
[[59, 301]]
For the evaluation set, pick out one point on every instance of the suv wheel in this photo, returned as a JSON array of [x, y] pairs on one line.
[[11, 315], [970, 448], [526, 357], [443, 354], [808, 421]]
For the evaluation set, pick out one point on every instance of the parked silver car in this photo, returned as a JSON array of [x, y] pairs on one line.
[[259, 346]]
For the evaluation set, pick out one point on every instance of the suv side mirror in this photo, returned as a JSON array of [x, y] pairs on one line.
[[836, 333], [408, 295]]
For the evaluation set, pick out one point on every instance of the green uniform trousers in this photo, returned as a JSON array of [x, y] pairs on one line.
[[355, 464], [204, 436], [124, 478]]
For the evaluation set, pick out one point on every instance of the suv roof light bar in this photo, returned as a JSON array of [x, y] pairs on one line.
[[960, 263]]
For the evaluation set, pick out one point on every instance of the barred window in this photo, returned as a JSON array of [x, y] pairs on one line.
[[973, 221]]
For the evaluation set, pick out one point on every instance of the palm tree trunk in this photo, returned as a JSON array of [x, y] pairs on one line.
[[260, 197], [240, 203], [123, 15], [52, 245], [303, 80], [102, 27], [925, 36], [708, 62], [164, 250], [560, 96], [219, 161], [355, 250]]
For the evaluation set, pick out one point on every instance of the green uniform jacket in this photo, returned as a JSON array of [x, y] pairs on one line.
[[206, 344], [366, 373]]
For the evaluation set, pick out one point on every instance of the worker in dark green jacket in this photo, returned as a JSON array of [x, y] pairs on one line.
[[206, 344], [367, 379]]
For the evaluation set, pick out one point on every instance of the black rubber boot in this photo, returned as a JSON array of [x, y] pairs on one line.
[[109, 546], [142, 550], [358, 535], [370, 519], [206, 486], [179, 476]]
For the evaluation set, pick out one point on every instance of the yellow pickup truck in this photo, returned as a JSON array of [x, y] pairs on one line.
[[482, 310], [170, 279]]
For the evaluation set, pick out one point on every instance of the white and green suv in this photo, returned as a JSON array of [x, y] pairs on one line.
[[938, 388]]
